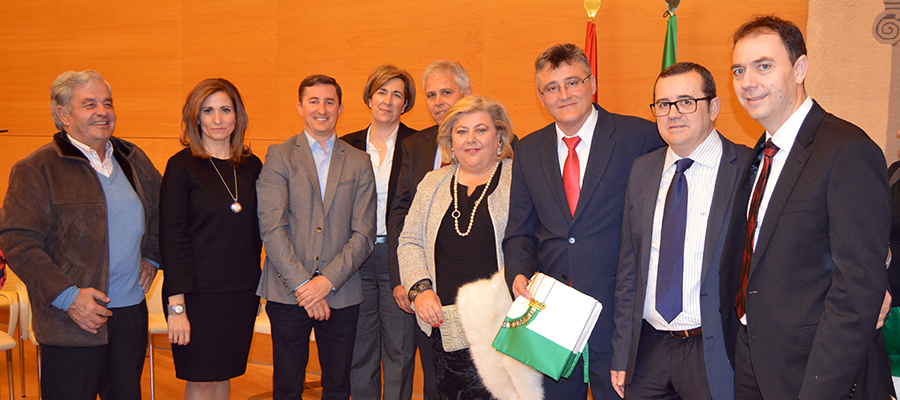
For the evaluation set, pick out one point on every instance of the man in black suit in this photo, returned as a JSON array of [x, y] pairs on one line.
[[445, 82], [660, 351], [384, 333], [571, 231], [808, 274]]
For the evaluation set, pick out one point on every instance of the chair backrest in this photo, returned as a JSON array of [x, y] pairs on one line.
[[15, 284], [154, 296]]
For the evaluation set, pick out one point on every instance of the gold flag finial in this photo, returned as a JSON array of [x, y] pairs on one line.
[[591, 6]]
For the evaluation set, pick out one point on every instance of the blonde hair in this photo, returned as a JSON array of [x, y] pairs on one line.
[[468, 105]]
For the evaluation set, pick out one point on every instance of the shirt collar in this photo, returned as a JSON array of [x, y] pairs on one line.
[[785, 136], [88, 151], [314, 144], [706, 154], [586, 132], [389, 143]]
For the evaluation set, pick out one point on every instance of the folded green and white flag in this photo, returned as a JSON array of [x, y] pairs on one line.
[[549, 332]]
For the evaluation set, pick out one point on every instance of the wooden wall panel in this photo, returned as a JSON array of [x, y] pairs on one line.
[[154, 53]]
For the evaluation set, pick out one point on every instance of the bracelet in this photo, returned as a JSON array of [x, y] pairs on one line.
[[419, 287]]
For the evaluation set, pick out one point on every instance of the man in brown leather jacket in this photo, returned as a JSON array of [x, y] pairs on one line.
[[79, 226]]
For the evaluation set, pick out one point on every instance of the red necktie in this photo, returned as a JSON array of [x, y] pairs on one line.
[[740, 302], [572, 173]]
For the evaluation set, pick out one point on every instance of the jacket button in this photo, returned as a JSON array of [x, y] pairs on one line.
[[571, 240], [565, 278], [319, 229], [316, 258]]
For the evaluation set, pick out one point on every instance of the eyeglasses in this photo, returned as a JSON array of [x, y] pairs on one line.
[[684, 106], [570, 84]]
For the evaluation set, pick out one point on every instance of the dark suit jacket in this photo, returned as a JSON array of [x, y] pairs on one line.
[[634, 263], [416, 160], [542, 235], [817, 274], [358, 139]]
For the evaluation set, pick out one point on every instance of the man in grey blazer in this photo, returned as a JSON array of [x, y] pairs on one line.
[[659, 352], [317, 220]]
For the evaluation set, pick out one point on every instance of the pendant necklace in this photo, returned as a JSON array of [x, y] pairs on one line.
[[456, 214], [236, 206]]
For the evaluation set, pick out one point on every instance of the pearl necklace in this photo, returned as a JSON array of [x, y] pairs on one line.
[[456, 214], [236, 206]]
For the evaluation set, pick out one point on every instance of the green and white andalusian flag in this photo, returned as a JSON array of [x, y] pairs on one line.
[[550, 332]]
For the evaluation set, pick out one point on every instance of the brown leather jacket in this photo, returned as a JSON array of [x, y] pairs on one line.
[[53, 229]]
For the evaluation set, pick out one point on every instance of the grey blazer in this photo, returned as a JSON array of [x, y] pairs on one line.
[[303, 234], [416, 251]]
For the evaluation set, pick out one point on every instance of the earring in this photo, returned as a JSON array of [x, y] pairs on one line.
[[500, 150]]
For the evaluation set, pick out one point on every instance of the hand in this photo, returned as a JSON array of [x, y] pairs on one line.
[[179, 329], [401, 296], [313, 291], [148, 272], [85, 311], [519, 287], [885, 309], [428, 308], [617, 378], [319, 310]]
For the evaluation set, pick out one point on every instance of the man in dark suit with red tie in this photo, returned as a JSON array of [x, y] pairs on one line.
[[566, 200], [807, 276]]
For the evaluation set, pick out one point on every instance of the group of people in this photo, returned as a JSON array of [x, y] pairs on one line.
[[725, 272]]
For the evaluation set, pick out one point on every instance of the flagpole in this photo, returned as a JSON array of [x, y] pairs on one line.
[[590, 40], [671, 45]]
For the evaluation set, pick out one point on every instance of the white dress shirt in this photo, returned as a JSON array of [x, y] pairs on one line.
[[783, 138], [701, 179], [381, 165], [586, 133], [104, 167]]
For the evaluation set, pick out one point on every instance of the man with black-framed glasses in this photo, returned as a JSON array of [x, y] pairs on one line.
[[566, 198], [668, 341]]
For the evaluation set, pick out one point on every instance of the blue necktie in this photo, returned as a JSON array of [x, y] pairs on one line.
[[670, 269]]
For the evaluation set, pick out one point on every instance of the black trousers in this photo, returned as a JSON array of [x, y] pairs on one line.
[[745, 385], [291, 327], [426, 356], [668, 367], [113, 370]]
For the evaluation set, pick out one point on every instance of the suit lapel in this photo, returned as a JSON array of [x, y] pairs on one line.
[[793, 166], [722, 198], [402, 133], [601, 149], [550, 165], [335, 168], [648, 211], [308, 163]]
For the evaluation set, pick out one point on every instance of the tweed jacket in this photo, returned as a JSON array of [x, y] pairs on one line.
[[303, 233], [53, 229], [416, 250]]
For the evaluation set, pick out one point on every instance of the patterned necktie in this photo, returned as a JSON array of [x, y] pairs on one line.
[[572, 173], [670, 268], [740, 301]]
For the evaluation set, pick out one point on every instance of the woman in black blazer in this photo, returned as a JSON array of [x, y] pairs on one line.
[[385, 332]]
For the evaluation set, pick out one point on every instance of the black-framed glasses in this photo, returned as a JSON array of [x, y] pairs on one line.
[[684, 106], [570, 84]]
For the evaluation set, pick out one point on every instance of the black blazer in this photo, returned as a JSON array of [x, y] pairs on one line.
[[817, 274], [417, 159], [358, 139], [542, 235]]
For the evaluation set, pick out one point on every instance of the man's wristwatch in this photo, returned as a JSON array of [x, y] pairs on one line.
[[419, 287], [176, 309]]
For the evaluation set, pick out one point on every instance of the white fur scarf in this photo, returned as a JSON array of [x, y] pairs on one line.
[[482, 307]]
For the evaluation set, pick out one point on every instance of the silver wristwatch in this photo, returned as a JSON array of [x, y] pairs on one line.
[[177, 309]]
